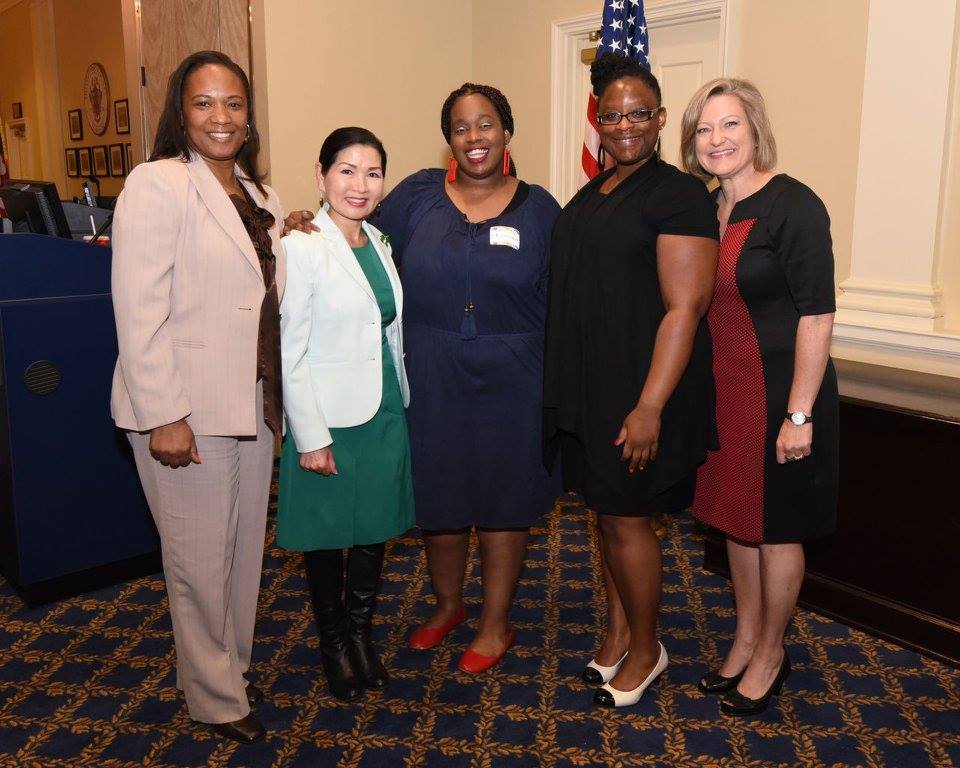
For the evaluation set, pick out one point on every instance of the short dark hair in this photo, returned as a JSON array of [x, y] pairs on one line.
[[171, 138], [607, 68], [493, 95], [342, 138]]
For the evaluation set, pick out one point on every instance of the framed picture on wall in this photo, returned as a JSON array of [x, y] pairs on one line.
[[118, 157], [17, 110], [75, 122], [83, 161], [73, 169], [129, 157], [121, 115], [98, 159]]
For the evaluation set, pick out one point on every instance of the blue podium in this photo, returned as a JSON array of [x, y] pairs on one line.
[[72, 514]]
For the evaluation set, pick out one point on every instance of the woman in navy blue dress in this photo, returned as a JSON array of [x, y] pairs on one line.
[[473, 246]]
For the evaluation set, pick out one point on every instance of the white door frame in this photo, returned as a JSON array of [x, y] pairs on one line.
[[567, 37]]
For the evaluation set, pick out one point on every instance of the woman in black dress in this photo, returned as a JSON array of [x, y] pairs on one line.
[[772, 484], [628, 391]]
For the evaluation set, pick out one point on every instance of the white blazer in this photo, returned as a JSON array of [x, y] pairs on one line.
[[330, 334]]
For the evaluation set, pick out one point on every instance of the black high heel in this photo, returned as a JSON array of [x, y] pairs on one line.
[[735, 703], [713, 683]]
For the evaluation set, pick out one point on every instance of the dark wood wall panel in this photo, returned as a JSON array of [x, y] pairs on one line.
[[893, 566], [173, 29]]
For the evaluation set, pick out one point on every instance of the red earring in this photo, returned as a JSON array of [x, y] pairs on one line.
[[506, 161], [452, 170]]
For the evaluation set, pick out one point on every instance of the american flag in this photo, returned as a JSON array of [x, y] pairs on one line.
[[624, 31]]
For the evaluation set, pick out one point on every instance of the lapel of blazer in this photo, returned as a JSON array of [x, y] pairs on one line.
[[339, 248], [387, 260], [222, 209]]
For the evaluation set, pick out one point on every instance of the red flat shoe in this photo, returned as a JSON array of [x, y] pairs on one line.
[[428, 637], [474, 662]]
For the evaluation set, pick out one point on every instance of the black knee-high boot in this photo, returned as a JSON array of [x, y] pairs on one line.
[[324, 570], [363, 580]]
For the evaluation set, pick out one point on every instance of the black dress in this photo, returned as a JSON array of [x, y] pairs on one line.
[[604, 309], [776, 265]]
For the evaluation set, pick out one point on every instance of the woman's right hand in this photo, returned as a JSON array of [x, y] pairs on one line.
[[299, 220], [640, 437], [174, 445], [320, 461]]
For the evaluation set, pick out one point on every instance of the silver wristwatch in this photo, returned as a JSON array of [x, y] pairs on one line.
[[799, 418]]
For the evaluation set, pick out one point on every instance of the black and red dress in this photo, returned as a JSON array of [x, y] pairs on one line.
[[776, 265]]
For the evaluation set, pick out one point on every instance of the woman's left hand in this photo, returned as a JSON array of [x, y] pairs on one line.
[[793, 442], [639, 436], [299, 220]]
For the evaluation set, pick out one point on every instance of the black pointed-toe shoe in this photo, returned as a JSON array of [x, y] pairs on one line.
[[246, 730], [713, 683], [735, 703]]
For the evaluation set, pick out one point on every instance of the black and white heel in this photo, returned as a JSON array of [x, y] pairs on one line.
[[608, 696], [597, 674]]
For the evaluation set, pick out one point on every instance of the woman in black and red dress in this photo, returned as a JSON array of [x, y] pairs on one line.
[[773, 483]]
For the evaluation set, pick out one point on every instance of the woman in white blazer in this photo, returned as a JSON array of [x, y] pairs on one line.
[[345, 467], [197, 275]]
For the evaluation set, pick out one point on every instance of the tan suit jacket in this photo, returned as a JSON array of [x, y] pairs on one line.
[[187, 290]]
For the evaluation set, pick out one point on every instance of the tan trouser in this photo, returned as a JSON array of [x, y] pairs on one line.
[[212, 519]]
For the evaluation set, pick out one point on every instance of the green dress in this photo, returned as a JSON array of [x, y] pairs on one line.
[[370, 500]]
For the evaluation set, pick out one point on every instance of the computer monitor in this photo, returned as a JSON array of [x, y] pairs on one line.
[[34, 206]]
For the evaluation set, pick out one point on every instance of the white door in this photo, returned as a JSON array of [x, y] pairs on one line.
[[683, 57], [687, 49]]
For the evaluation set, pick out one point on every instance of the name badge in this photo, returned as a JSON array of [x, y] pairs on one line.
[[505, 236]]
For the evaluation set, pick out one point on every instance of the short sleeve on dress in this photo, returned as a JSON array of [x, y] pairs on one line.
[[681, 205], [800, 226]]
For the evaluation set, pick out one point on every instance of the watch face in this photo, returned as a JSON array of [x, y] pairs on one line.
[[798, 418]]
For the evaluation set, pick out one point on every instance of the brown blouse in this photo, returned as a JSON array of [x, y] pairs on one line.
[[258, 222]]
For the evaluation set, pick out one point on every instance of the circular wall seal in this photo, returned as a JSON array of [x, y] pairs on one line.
[[96, 98]]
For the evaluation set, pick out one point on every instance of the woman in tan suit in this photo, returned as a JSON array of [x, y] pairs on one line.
[[197, 278]]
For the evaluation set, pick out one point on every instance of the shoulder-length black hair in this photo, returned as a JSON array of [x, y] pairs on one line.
[[171, 138], [349, 136]]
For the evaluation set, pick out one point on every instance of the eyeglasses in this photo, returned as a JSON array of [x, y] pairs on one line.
[[636, 116]]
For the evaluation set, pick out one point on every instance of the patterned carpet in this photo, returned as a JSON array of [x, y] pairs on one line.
[[89, 681]]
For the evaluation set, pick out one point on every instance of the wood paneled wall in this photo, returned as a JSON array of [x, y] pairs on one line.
[[172, 29], [891, 568]]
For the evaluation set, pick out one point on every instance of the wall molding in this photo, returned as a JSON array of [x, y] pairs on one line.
[[668, 13], [865, 336], [889, 304]]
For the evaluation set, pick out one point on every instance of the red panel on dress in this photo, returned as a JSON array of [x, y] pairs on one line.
[[730, 484]]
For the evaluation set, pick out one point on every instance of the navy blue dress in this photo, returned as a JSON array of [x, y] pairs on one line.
[[475, 303]]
